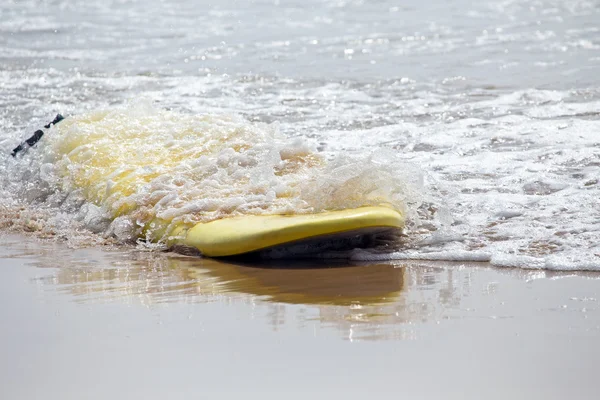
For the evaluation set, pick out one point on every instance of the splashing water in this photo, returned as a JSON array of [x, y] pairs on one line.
[[130, 171]]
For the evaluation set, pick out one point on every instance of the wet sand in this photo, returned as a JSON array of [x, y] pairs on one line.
[[121, 323]]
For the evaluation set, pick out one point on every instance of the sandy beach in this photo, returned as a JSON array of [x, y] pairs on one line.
[[121, 323]]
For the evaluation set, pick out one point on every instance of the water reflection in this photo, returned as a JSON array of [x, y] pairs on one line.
[[358, 301], [164, 277]]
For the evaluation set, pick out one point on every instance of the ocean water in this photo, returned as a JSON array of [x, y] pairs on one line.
[[481, 121]]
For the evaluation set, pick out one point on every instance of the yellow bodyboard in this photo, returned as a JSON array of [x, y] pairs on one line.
[[238, 235], [110, 158]]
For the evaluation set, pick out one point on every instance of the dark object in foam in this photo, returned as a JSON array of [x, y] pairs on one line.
[[37, 135]]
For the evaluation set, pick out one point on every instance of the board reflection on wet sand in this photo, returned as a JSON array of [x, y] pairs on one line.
[[373, 301], [341, 295]]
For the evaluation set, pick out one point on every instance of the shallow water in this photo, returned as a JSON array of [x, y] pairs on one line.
[[495, 104], [123, 323]]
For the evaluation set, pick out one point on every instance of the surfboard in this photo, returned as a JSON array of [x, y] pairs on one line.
[[238, 235], [130, 169]]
